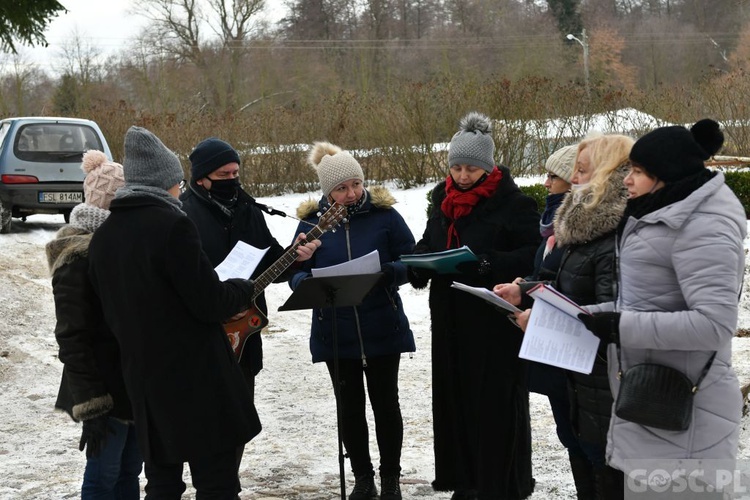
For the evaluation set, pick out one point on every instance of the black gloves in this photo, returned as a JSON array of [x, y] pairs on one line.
[[605, 325], [94, 435], [418, 276], [389, 274], [481, 266]]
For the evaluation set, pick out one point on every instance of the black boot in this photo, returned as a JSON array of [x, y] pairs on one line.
[[364, 487], [609, 483], [464, 495], [390, 489], [583, 476]]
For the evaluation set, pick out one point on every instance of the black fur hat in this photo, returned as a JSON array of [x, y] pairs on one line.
[[673, 153]]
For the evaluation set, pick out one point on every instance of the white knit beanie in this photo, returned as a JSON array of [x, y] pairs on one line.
[[103, 178], [562, 162], [333, 166]]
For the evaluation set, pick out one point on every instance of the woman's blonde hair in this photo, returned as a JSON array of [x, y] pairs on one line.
[[607, 153]]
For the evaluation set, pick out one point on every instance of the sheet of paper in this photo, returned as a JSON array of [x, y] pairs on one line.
[[556, 338], [550, 295], [241, 261], [367, 264], [487, 295]]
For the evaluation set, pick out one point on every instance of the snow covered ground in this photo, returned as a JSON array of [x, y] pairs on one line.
[[296, 455]]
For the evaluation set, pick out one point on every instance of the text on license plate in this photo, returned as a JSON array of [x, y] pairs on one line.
[[61, 197]]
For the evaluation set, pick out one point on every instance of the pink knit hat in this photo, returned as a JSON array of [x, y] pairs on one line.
[[103, 178]]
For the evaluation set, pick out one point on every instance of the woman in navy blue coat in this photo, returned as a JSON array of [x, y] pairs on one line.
[[371, 336]]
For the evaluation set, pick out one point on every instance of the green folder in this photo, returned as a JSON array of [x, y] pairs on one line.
[[441, 262]]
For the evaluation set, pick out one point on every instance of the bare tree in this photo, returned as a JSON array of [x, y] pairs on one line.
[[178, 24], [18, 86]]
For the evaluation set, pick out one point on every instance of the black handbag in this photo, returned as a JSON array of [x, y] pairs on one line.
[[656, 395]]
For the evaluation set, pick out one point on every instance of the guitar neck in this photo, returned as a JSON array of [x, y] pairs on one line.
[[282, 263]]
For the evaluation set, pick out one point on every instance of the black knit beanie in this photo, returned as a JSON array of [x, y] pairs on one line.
[[673, 153], [209, 155]]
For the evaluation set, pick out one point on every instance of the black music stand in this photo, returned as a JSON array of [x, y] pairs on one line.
[[333, 292]]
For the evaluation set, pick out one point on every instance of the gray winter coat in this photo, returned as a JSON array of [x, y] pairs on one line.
[[680, 272]]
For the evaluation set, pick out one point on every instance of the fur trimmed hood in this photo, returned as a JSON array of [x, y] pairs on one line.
[[378, 196], [576, 224], [70, 243]]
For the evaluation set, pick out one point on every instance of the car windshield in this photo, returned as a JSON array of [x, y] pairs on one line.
[[54, 142]]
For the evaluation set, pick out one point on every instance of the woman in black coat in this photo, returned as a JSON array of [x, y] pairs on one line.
[[480, 399], [92, 390], [165, 303], [585, 226]]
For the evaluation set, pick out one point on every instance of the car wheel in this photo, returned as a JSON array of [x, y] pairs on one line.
[[5, 218]]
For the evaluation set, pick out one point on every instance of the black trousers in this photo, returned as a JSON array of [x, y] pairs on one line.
[[382, 387], [214, 478]]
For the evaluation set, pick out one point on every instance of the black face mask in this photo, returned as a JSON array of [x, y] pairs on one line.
[[225, 189]]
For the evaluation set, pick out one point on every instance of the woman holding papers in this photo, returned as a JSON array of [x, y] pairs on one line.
[[681, 265], [371, 336], [585, 227], [480, 397], [545, 379]]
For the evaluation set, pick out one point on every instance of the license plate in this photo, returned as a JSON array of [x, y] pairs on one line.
[[61, 197]]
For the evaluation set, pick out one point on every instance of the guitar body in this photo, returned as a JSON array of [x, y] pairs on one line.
[[239, 330], [254, 320]]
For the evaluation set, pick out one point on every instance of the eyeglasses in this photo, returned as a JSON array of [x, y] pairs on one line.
[[183, 185]]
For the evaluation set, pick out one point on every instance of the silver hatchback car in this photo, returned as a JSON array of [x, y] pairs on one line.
[[40, 165]]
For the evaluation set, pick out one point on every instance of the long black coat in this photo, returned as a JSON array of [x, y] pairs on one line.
[[480, 400], [91, 383], [586, 276], [220, 233], [164, 304]]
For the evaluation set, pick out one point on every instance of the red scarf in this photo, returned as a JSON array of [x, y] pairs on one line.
[[459, 203]]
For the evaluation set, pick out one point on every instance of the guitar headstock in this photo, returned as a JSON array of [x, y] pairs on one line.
[[332, 217]]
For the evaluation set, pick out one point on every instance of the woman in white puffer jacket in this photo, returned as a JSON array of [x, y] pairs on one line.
[[681, 265]]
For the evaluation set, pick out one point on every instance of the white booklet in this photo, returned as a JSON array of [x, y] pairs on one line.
[[487, 295], [241, 261], [367, 264], [555, 336]]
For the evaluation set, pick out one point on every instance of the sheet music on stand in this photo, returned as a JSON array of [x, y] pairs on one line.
[[367, 264]]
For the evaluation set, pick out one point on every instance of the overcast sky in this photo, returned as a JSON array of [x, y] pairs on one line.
[[105, 25]]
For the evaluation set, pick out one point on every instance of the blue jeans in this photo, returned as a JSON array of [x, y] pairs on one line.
[[113, 475]]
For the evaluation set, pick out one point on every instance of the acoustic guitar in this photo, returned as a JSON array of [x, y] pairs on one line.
[[254, 320]]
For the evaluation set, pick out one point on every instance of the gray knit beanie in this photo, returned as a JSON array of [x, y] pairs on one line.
[[562, 162], [473, 144], [333, 166], [148, 162]]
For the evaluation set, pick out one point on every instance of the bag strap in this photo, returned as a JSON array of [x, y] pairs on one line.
[[706, 368], [704, 372]]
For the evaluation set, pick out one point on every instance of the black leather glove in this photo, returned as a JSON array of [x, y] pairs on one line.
[[94, 435], [389, 274], [605, 325], [481, 266]]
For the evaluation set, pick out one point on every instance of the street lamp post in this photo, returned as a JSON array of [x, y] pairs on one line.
[[585, 44]]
